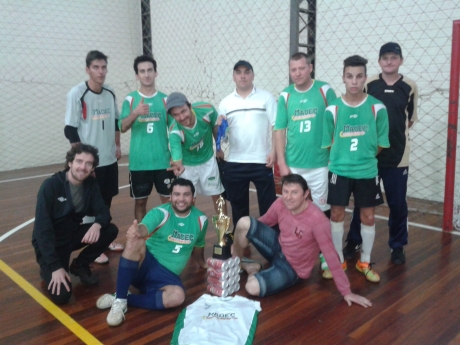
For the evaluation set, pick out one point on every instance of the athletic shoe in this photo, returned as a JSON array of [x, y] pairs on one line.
[[116, 247], [350, 250], [398, 257], [327, 274], [83, 272], [117, 312], [366, 268], [105, 301], [102, 259]]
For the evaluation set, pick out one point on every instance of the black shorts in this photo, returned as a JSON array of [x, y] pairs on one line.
[[107, 179], [142, 182], [366, 192]]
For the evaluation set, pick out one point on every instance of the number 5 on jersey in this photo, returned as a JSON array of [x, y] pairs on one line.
[[177, 249]]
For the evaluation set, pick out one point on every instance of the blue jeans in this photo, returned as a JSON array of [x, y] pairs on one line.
[[280, 275], [395, 185]]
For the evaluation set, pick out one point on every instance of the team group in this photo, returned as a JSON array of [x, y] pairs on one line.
[[325, 146]]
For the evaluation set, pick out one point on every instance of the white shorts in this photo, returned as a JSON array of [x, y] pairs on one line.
[[205, 177], [317, 181]]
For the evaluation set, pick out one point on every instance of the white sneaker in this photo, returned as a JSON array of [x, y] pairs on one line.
[[117, 312], [105, 301]]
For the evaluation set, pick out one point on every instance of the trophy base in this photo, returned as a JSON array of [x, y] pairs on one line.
[[221, 253]]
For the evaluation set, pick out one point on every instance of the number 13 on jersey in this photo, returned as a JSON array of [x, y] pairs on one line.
[[305, 126]]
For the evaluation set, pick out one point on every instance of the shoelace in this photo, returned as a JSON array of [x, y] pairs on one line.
[[117, 307]]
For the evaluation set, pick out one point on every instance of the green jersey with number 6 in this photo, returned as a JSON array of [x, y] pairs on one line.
[[172, 238], [354, 134], [149, 148], [197, 144], [301, 113]]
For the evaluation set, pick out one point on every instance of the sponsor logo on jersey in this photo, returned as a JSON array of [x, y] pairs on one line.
[[301, 114], [152, 117], [377, 197], [354, 116], [61, 199], [405, 172], [220, 316], [304, 100], [389, 91], [178, 237], [197, 145], [100, 114], [180, 224], [353, 130], [196, 134]]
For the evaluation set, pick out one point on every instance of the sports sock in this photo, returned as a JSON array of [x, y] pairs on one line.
[[127, 270], [151, 300], [337, 236], [368, 235]]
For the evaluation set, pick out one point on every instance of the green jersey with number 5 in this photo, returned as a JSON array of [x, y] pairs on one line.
[[196, 142], [354, 134], [301, 114], [149, 148], [172, 238]]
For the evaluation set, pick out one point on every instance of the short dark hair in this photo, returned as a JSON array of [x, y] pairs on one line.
[[295, 178], [95, 55], [182, 182], [355, 61], [81, 148], [144, 58], [298, 56]]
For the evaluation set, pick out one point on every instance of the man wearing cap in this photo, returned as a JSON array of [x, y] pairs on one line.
[[192, 130], [399, 94], [251, 114]]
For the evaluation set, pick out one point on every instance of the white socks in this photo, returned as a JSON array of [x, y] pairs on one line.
[[368, 236], [337, 237]]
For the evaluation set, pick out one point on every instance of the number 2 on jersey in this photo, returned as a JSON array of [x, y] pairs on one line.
[[305, 126], [177, 249], [354, 144]]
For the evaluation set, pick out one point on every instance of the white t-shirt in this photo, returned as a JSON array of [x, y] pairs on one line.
[[250, 122], [215, 320]]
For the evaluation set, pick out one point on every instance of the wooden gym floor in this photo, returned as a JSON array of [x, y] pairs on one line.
[[415, 303]]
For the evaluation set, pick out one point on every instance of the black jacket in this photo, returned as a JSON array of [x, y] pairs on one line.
[[56, 220]]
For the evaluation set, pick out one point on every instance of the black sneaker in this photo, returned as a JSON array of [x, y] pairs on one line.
[[397, 256], [350, 250], [83, 272]]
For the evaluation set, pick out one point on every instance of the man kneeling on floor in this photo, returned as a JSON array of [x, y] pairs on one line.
[[62, 202], [156, 252], [304, 232]]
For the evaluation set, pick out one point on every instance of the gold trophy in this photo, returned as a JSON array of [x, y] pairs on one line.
[[221, 222]]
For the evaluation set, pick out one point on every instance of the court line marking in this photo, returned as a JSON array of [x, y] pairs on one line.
[[53, 309], [423, 226]]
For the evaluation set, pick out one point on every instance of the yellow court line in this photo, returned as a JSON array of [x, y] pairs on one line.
[[54, 310]]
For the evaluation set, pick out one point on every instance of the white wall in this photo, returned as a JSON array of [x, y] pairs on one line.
[[43, 45]]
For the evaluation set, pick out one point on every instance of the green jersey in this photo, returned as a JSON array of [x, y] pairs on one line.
[[149, 148], [172, 238], [197, 144], [354, 134], [301, 114]]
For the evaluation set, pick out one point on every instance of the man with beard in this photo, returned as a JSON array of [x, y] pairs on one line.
[[62, 202], [156, 252]]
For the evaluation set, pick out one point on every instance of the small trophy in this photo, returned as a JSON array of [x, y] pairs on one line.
[[223, 272], [221, 222]]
